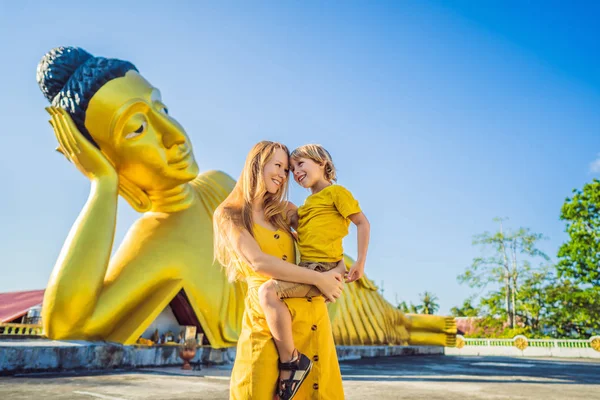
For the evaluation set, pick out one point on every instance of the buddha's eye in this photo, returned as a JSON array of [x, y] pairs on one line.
[[138, 131], [162, 108]]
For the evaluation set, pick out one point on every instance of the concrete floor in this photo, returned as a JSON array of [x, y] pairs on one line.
[[422, 377]]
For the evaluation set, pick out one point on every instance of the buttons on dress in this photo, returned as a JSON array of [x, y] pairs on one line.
[[316, 386], [315, 358], [276, 236], [284, 257], [314, 327], [309, 299]]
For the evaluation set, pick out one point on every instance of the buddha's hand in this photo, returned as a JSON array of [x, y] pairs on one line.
[[80, 151]]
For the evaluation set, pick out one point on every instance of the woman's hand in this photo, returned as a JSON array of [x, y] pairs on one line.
[[330, 283]]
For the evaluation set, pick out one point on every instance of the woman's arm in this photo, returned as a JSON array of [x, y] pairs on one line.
[[329, 283]]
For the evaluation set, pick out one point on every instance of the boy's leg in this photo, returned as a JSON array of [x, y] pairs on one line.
[[278, 318], [279, 321], [277, 314], [293, 290]]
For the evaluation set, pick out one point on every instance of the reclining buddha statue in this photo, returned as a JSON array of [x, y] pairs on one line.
[[113, 125]]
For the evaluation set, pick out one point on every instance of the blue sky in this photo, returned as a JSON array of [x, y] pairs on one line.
[[439, 115]]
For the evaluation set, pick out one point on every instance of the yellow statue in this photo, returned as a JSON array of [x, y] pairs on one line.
[[361, 316], [114, 127]]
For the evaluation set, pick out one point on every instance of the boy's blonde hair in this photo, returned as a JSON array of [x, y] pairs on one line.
[[318, 154]]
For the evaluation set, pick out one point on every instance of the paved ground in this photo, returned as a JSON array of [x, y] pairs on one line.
[[430, 378]]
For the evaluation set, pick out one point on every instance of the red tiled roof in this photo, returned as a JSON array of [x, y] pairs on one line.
[[16, 304]]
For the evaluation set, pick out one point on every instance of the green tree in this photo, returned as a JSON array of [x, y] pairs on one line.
[[572, 310], [532, 300], [407, 308], [546, 306], [429, 303], [466, 310], [414, 309], [493, 312], [402, 306], [579, 258], [507, 266]]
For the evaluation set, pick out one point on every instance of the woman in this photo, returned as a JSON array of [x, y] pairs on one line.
[[253, 241]]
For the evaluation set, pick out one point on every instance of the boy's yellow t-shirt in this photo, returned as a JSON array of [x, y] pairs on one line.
[[323, 223]]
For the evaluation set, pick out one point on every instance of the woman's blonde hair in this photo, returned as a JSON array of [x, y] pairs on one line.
[[318, 154], [235, 212]]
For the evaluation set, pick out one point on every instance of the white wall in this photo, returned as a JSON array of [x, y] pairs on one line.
[[165, 322], [528, 352]]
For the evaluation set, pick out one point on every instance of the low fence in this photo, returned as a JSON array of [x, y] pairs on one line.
[[522, 346], [20, 330]]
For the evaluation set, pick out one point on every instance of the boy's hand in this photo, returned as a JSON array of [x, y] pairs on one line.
[[292, 215], [356, 272]]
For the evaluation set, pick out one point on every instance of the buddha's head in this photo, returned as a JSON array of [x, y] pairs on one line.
[[123, 115]]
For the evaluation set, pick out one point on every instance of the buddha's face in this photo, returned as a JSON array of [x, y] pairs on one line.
[[131, 124]]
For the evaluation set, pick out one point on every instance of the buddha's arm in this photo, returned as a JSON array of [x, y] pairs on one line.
[[141, 279], [78, 275]]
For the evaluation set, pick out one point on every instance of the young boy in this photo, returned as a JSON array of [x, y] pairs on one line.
[[321, 224]]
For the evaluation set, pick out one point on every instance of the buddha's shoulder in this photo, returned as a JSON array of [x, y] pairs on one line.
[[213, 186], [214, 178]]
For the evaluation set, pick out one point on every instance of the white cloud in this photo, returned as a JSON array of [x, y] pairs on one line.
[[595, 165]]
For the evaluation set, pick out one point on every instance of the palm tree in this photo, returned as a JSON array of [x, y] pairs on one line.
[[429, 303], [414, 309], [402, 306], [408, 308]]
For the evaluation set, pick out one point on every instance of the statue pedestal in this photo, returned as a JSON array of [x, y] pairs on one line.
[[42, 355]]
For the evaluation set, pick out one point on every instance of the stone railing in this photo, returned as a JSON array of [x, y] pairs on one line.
[[20, 330], [523, 346]]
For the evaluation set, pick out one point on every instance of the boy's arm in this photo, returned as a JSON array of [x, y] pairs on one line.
[[363, 234], [291, 213]]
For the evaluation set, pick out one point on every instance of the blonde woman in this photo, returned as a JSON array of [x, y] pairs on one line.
[[254, 242]]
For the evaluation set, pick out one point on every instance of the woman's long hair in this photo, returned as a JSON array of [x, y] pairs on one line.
[[235, 212]]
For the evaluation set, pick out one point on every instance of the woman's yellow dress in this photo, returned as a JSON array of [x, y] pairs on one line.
[[255, 371]]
